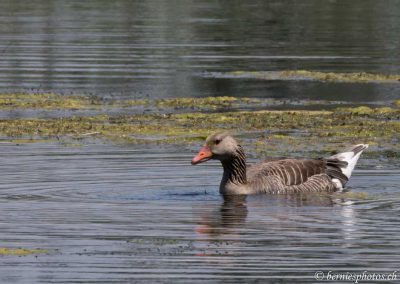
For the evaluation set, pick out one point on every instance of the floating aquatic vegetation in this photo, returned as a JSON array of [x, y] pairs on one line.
[[340, 77], [57, 101], [46, 101], [275, 132], [205, 103], [359, 77], [21, 251], [343, 123], [79, 102]]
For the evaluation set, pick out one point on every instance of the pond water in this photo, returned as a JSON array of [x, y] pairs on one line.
[[125, 213], [158, 49], [118, 214]]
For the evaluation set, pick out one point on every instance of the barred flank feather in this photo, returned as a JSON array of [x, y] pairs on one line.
[[290, 171]]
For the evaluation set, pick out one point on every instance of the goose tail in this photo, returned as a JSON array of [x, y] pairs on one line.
[[341, 166]]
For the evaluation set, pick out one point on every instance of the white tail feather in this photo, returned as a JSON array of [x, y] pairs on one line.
[[351, 157]]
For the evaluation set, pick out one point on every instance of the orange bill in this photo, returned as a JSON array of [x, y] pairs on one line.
[[203, 155]]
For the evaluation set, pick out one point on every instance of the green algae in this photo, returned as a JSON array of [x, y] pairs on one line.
[[67, 102], [340, 77], [372, 112], [20, 251], [57, 101], [47, 101], [208, 103], [356, 77], [280, 132], [205, 103], [344, 124]]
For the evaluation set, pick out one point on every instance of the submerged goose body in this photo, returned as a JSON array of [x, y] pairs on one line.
[[277, 176]]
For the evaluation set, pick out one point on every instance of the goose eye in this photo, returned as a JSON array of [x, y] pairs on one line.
[[217, 141]]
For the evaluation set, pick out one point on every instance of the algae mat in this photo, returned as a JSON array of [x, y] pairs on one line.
[[309, 75], [275, 132], [20, 251]]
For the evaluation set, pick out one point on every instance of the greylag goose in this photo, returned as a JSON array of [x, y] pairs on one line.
[[279, 176]]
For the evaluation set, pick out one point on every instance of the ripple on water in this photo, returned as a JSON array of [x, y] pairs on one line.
[[119, 213]]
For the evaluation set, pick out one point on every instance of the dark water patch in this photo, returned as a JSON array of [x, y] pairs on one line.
[[132, 48], [278, 88]]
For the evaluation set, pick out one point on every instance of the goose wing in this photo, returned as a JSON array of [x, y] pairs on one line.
[[289, 171]]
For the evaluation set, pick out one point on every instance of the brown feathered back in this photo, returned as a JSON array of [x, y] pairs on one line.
[[290, 171]]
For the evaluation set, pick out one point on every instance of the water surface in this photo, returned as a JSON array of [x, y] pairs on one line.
[[119, 214], [159, 49]]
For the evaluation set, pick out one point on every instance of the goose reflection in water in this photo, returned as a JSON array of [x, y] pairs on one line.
[[223, 220], [280, 228], [230, 216]]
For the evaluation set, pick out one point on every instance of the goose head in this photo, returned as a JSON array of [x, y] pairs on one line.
[[219, 146]]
